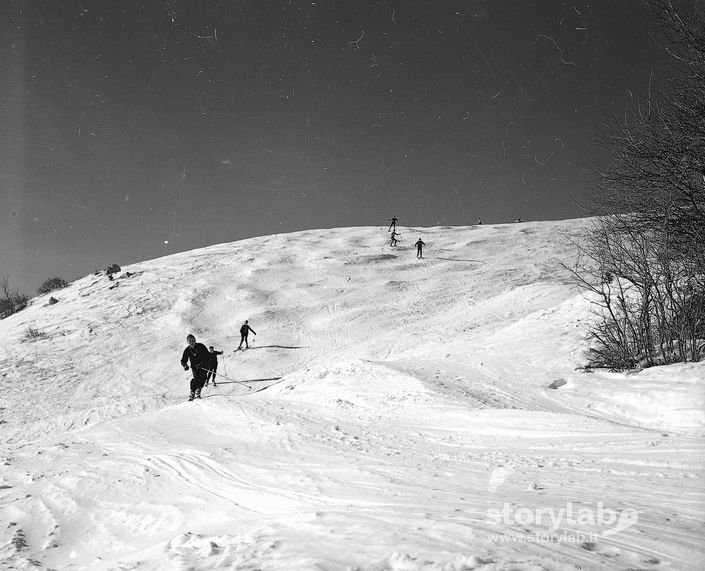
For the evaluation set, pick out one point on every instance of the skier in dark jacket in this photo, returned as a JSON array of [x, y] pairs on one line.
[[244, 332], [392, 223], [419, 248], [199, 357], [212, 364]]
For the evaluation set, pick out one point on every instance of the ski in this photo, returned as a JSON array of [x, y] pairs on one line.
[[253, 391]]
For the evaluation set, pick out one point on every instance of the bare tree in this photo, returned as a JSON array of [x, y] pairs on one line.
[[644, 263], [11, 301]]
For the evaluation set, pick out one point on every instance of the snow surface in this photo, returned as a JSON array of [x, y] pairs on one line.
[[420, 414]]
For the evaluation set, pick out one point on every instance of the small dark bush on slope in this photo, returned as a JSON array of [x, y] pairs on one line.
[[52, 284]]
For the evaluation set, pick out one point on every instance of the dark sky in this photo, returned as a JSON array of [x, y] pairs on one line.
[[135, 129]]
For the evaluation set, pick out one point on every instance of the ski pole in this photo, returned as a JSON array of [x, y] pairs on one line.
[[233, 380]]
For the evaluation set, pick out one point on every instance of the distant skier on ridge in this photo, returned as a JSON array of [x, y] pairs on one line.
[[199, 357], [244, 332], [419, 248], [393, 223], [212, 364]]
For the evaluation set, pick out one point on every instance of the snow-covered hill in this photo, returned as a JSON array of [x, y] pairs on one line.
[[416, 414]]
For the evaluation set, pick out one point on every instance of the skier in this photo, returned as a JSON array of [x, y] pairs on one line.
[[393, 223], [199, 357], [393, 241], [419, 248], [212, 364], [244, 332]]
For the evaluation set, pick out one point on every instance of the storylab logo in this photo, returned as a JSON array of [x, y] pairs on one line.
[[595, 520], [608, 521]]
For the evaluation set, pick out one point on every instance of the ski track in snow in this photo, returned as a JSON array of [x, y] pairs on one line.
[[406, 400]]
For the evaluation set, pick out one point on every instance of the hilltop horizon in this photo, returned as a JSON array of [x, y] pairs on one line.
[[30, 286]]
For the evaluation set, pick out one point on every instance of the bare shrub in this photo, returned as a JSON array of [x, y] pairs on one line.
[[31, 333], [52, 284], [11, 301], [647, 302]]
